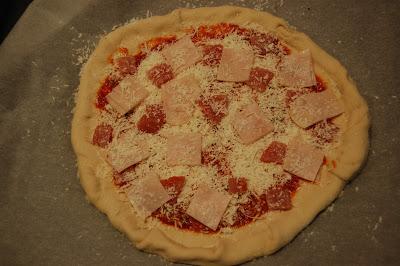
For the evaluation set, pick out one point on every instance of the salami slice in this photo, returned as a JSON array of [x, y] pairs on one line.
[[102, 135], [212, 55], [153, 120], [279, 198], [274, 153], [160, 74], [259, 79]]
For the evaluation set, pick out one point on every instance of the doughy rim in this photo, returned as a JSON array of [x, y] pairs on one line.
[[261, 237]]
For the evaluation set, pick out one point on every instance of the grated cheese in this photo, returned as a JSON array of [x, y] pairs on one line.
[[244, 160]]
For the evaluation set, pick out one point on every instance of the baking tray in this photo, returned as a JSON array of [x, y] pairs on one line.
[[45, 218]]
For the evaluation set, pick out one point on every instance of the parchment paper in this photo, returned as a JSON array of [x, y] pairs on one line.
[[45, 218]]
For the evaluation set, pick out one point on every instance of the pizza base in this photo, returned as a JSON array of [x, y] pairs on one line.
[[261, 237]]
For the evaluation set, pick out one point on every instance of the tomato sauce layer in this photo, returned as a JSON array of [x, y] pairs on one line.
[[173, 213]]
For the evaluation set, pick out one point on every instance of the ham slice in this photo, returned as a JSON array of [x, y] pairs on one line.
[[125, 152], [178, 97], [296, 70], [250, 124], [126, 95], [147, 194], [184, 149], [208, 206], [311, 108], [182, 54], [303, 160], [235, 64]]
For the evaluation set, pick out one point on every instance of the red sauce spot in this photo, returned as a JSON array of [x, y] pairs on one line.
[[212, 54], [255, 206], [324, 131], [263, 43], [102, 135], [334, 164], [139, 57], [108, 85], [123, 50], [153, 119], [119, 179], [217, 31], [157, 44], [291, 95], [217, 159], [110, 59], [320, 85], [325, 161], [160, 74], [259, 79], [237, 185], [214, 107], [274, 153], [285, 50], [174, 184]]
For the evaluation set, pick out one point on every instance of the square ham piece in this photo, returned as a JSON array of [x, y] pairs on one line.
[[125, 152], [311, 108], [208, 206], [235, 64], [250, 124], [127, 95], [147, 194], [184, 149], [303, 160], [296, 70], [182, 54], [178, 98]]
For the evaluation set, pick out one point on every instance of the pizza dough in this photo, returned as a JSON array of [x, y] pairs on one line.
[[261, 237]]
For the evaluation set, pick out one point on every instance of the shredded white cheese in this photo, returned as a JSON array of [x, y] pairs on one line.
[[244, 160]]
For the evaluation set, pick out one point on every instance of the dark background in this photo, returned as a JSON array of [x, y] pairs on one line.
[[10, 11], [44, 217]]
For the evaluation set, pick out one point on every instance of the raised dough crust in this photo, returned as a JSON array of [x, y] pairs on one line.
[[262, 237]]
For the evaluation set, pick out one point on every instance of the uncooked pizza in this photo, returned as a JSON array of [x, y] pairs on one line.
[[215, 135]]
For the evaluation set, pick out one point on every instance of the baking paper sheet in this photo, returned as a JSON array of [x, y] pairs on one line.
[[45, 218]]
